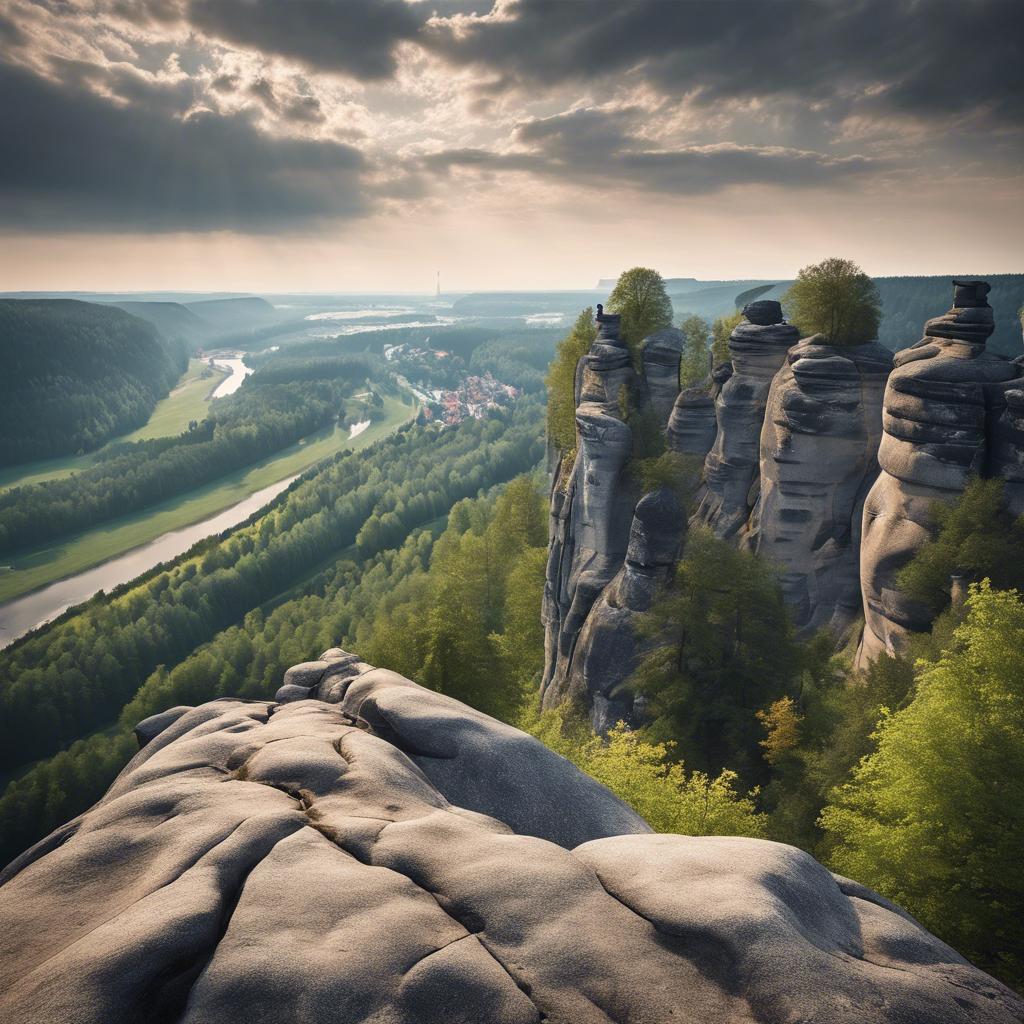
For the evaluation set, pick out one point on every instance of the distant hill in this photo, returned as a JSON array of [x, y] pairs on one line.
[[171, 319], [76, 374], [233, 314]]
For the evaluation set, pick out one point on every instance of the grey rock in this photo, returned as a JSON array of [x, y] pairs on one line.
[[660, 354], [308, 674], [763, 312], [946, 396], [819, 441], [692, 425], [149, 728], [425, 865], [731, 467], [290, 692]]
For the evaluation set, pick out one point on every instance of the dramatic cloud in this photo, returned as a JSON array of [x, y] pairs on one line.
[[355, 37], [70, 159], [595, 147], [356, 121], [932, 58]]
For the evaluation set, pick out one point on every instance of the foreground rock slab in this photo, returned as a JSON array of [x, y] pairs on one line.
[[373, 851]]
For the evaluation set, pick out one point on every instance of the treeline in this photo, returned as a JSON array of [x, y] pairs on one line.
[[907, 302], [77, 374], [905, 776], [74, 676], [269, 412]]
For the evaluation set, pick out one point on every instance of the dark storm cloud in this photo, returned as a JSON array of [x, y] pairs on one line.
[[596, 147], [71, 160], [918, 57], [356, 37]]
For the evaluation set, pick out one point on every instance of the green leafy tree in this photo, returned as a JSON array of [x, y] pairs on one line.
[[639, 296], [835, 298], [648, 776], [976, 537], [561, 381], [720, 331], [693, 367], [722, 648], [934, 818]]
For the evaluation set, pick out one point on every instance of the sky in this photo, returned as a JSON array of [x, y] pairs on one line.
[[364, 145]]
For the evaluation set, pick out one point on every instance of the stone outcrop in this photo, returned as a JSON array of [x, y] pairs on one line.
[[391, 855], [952, 410], [822, 427], [758, 347], [608, 643], [604, 546]]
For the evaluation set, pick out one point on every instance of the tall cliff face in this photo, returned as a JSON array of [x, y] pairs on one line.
[[952, 409], [818, 445], [607, 553], [758, 347], [365, 849]]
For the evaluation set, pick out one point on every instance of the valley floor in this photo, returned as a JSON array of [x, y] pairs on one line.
[[189, 400], [38, 568]]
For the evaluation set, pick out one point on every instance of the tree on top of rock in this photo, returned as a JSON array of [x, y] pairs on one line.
[[835, 298], [639, 296]]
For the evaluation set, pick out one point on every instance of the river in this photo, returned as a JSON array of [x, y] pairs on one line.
[[25, 613], [239, 371]]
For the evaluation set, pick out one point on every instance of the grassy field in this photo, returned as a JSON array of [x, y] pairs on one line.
[[188, 401], [37, 568]]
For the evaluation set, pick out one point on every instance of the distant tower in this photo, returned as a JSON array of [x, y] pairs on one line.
[[438, 292]]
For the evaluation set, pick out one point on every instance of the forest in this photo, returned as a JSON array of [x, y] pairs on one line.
[[426, 554], [74, 676], [274, 408], [77, 374]]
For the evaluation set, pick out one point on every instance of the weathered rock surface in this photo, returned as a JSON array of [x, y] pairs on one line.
[[375, 859], [758, 348], [593, 509], [692, 426], [822, 427], [945, 399], [608, 644]]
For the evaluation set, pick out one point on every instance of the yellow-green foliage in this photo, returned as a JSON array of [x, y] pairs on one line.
[[561, 381], [720, 331], [693, 367], [643, 774], [837, 299], [977, 536], [639, 296], [934, 818]]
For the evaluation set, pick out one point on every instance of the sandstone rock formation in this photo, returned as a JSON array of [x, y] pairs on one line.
[[594, 586], [758, 347], [372, 858], [951, 410], [818, 445]]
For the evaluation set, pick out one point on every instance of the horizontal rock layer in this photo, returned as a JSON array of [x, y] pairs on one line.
[[394, 856]]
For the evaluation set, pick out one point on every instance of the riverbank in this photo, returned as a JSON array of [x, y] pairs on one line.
[[75, 555], [189, 400]]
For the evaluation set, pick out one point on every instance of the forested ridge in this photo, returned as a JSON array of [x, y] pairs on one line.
[[273, 409], [77, 374], [74, 676]]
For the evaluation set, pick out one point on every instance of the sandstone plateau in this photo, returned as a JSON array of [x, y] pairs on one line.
[[363, 849]]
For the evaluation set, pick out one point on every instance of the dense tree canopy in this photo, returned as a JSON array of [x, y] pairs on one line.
[[724, 649], [639, 296], [934, 817], [76, 374], [836, 299], [561, 381], [976, 537], [273, 409]]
